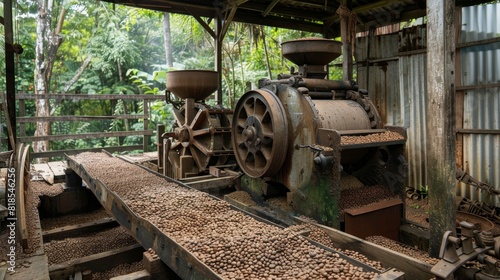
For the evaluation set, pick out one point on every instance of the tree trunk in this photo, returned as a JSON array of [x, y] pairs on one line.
[[266, 52], [167, 39], [42, 104], [47, 44], [75, 78], [54, 40]]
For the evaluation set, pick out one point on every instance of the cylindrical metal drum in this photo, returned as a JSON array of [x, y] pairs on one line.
[[342, 115]]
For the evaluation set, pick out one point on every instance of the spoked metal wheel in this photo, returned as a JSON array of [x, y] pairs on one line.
[[206, 138], [259, 133]]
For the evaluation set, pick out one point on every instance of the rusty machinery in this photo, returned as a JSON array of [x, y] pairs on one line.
[[457, 252], [201, 134], [475, 252], [287, 136]]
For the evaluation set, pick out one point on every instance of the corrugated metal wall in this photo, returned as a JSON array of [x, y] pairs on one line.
[[481, 66], [396, 80], [383, 75], [397, 85], [413, 89]]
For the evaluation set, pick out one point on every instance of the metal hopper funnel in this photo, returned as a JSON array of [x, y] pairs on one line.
[[192, 85], [195, 84], [311, 51]]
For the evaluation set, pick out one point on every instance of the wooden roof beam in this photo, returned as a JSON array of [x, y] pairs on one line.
[[368, 7], [269, 8], [204, 24], [228, 21], [299, 4], [403, 16]]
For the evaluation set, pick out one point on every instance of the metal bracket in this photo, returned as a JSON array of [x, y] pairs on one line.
[[320, 159], [451, 258], [447, 251]]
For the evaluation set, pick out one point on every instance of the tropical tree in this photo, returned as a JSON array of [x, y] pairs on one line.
[[88, 47]]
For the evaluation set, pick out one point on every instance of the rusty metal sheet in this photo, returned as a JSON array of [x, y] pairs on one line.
[[382, 218]]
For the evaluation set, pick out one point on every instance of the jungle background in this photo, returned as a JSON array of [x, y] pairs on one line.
[[93, 47]]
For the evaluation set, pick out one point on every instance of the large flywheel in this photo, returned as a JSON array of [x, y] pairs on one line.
[[206, 140], [260, 133]]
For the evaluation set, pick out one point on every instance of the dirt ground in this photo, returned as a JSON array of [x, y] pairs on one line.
[[417, 211]]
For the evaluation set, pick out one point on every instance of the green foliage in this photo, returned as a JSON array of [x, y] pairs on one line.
[[159, 111], [127, 54]]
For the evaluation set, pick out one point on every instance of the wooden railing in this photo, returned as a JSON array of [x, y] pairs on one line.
[[22, 120]]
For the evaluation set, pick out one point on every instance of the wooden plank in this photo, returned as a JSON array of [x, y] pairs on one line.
[[417, 269], [138, 158], [480, 86], [72, 97], [478, 131], [58, 168], [97, 262], [59, 153], [84, 135], [138, 275], [195, 179], [63, 232], [77, 118], [44, 170], [213, 183], [479, 42]]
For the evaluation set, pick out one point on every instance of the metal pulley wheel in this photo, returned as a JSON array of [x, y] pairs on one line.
[[260, 133]]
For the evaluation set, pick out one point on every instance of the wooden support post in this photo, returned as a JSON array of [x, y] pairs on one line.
[[347, 34], [189, 111], [218, 57], [145, 138], [166, 150], [441, 119], [22, 113], [160, 129], [156, 268], [10, 72]]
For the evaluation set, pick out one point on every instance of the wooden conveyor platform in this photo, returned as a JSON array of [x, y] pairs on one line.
[[202, 237]]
